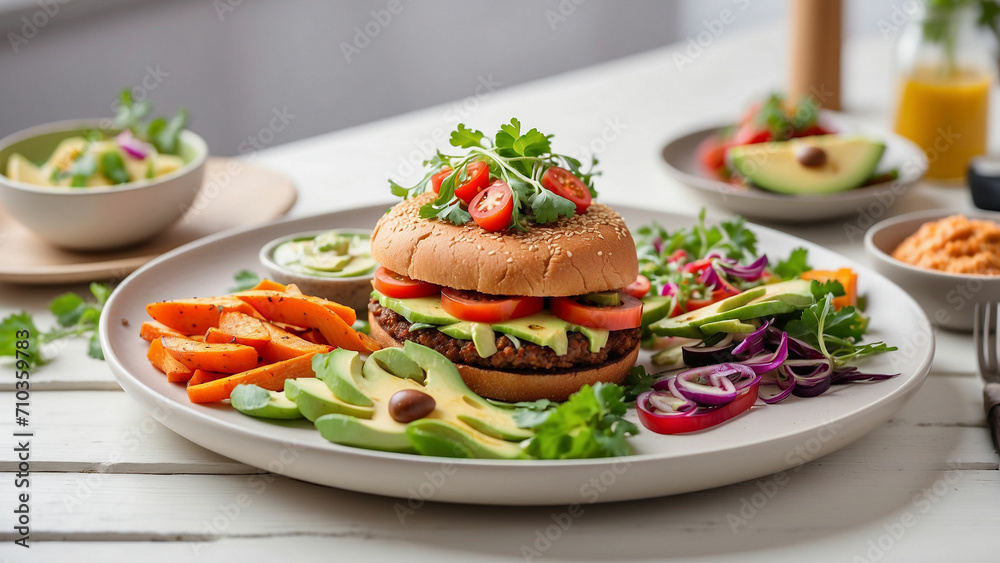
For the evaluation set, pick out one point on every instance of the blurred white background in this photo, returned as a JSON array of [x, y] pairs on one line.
[[306, 67]]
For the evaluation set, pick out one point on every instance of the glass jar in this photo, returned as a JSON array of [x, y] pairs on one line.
[[945, 72]]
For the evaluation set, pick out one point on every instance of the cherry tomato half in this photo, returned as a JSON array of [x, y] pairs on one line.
[[748, 134], [482, 308], [712, 154], [621, 317], [679, 423], [562, 182], [438, 178], [493, 207], [477, 177], [391, 284], [639, 288]]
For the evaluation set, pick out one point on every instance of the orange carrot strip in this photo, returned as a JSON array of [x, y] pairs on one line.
[[195, 316], [153, 330], [271, 377], [224, 358], [161, 360]]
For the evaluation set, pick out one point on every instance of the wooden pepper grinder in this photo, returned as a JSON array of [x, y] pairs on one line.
[[815, 56]]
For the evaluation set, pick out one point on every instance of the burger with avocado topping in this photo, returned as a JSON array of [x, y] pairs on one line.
[[524, 315]]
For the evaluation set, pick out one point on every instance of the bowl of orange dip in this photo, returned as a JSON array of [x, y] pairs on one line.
[[947, 262]]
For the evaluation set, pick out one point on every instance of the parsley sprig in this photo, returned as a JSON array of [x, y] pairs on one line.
[[590, 424], [518, 158], [837, 333], [76, 318]]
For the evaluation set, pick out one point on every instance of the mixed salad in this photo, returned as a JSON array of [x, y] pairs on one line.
[[139, 150], [730, 323]]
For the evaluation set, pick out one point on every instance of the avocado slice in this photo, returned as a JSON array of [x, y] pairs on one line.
[[542, 328], [338, 370], [597, 337], [418, 309], [655, 307], [462, 423], [314, 399], [776, 299], [729, 326], [257, 401], [849, 163], [396, 362]]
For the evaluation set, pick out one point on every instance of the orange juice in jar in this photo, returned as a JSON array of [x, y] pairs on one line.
[[946, 74]]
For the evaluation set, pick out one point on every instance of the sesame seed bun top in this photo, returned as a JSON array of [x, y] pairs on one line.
[[577, 255]]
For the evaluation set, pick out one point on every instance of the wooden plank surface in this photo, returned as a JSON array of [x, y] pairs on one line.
[[842, 510]]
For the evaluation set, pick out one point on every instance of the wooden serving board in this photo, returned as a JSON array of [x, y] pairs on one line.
[[235, 193]]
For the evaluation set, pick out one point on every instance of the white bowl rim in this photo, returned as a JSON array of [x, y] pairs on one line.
[[925, 215], [69, 125], [266, 252]]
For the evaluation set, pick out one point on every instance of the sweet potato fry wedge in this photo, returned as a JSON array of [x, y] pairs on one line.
[[284, 345], [264, 301], [223, 358], [195, 316], [310, 312], [271, 377], [247, 330], [201, 376], [269, 285], [153, 330], [161, 360]]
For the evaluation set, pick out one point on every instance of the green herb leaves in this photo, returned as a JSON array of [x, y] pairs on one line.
[[794, 266], [76, 317], [161, 133], [590, 424], [837, 333], [516, 157]]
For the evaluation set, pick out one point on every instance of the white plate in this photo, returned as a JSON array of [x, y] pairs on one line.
[[680, 156], [770, 438]]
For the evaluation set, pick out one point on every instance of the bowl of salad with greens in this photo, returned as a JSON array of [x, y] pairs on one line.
[[97, 184]]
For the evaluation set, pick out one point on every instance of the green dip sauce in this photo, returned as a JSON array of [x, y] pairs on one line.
[[333, 254]]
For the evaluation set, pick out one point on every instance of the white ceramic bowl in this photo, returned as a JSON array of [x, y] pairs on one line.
[[99, 218], [948, 299], [353, 291]]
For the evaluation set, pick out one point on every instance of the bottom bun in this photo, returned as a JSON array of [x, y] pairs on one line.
[[520, 386]]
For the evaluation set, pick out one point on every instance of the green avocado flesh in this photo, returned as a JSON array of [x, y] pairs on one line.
[[542, 328], [333, 254], [259, 402], [462, 423], [850, 162], [732, 314]]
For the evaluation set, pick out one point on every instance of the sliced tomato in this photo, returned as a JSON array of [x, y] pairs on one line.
[[391, 284], [621, 317], [493, 207], [698, 266], [748, 134], [438, 178], [639, 288], [683, 423], [562, 182], [483, 308], [813, 131], [477, 177], [677, 255], [712, 154]]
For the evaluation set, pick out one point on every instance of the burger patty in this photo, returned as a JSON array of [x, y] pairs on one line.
[[508, 357]]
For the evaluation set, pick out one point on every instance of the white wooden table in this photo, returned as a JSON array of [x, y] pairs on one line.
[[110, 483]]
